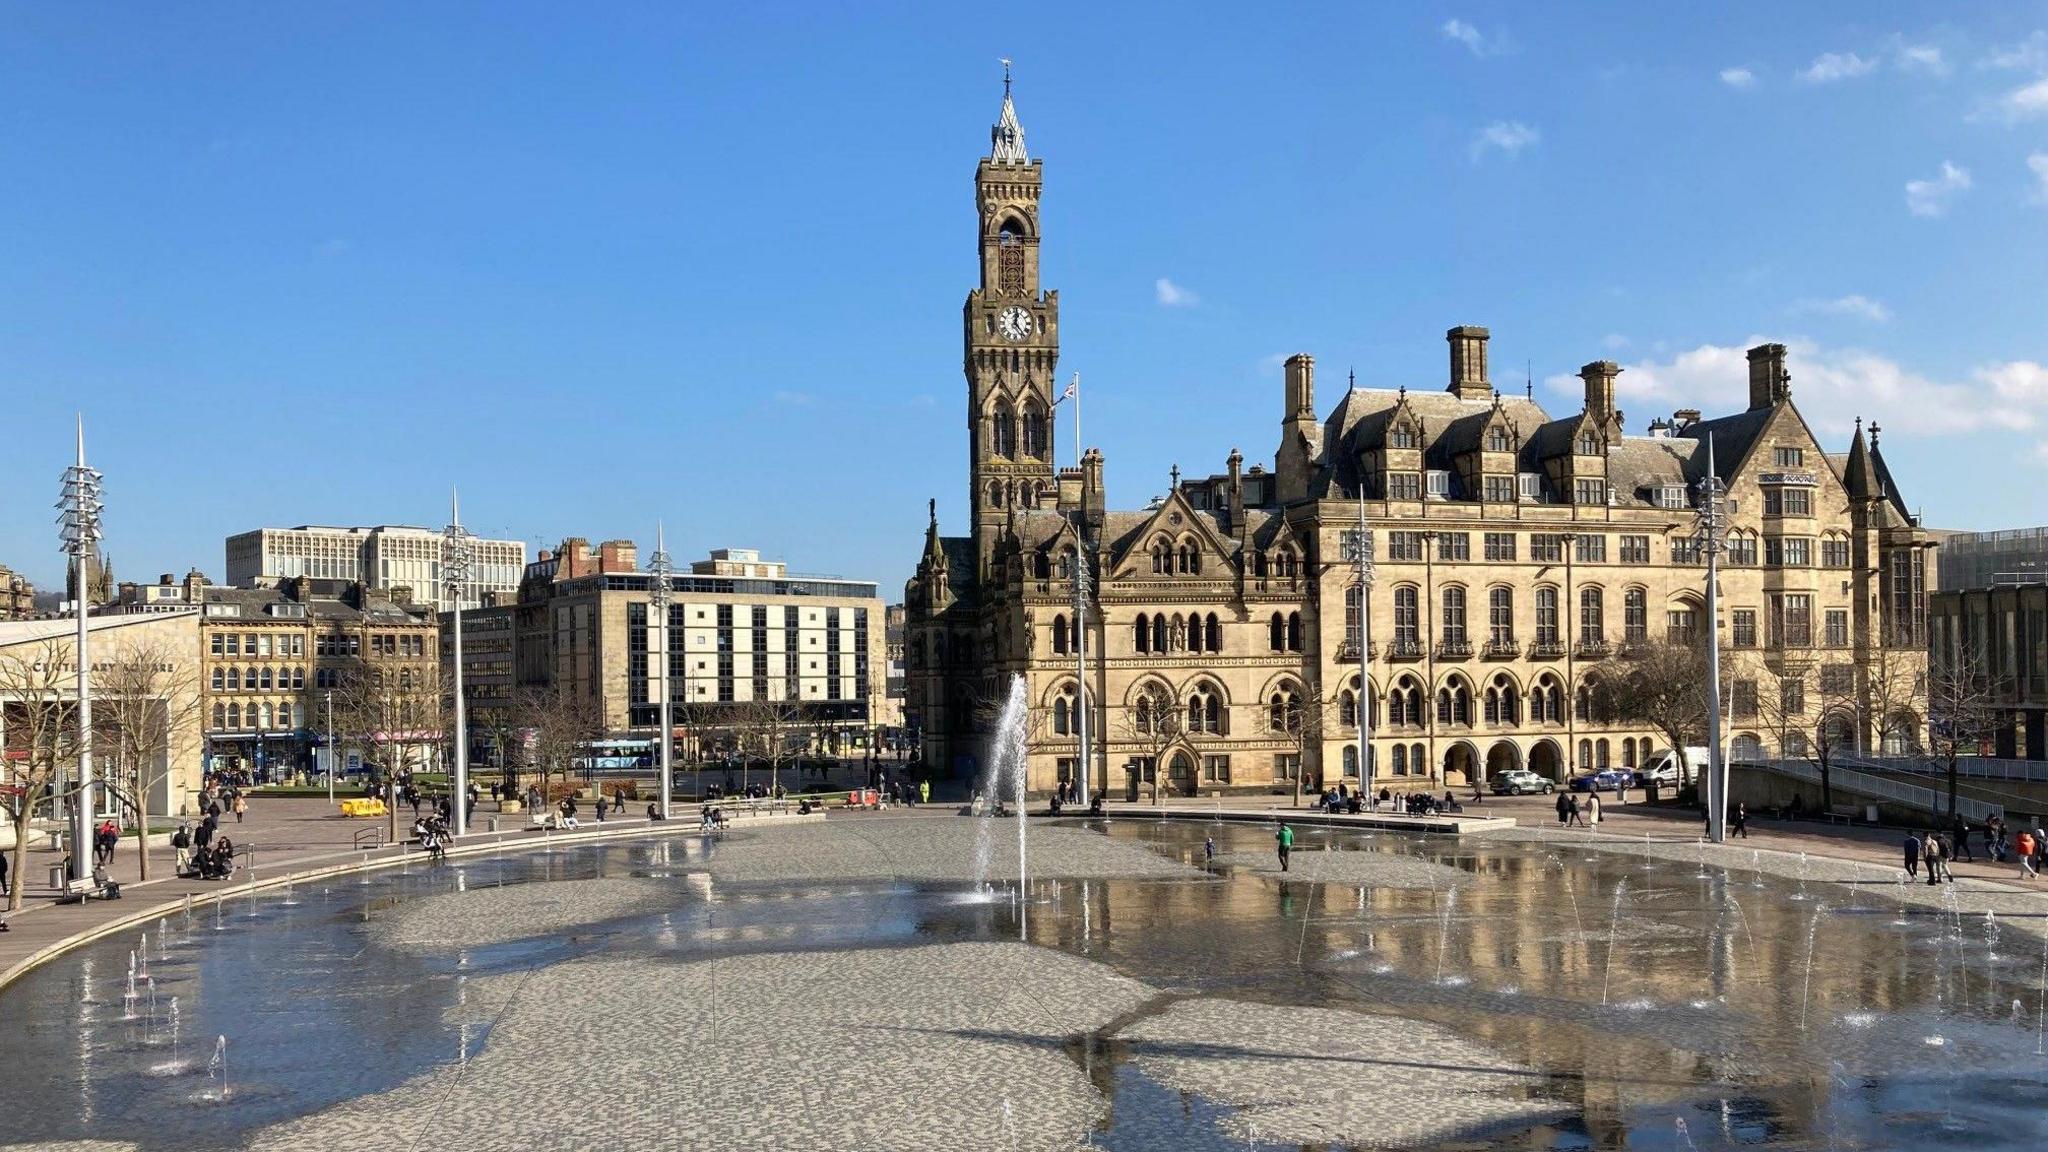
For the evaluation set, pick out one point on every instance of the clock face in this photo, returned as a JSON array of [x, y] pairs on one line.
[[1014, 323]]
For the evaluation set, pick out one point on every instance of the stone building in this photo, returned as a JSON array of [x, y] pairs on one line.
[[1519, 556], [385, 556], [17, 596], [272, 656], [745, 629]]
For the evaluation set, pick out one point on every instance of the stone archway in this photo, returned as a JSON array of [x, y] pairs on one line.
[[1181, 773], [1462, 759], [1546, 761], [1502, 757]]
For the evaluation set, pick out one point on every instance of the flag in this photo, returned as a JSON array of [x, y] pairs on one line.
[[1073, 388]]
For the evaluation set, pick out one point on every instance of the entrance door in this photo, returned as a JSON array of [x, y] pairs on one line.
[[1182, 773]]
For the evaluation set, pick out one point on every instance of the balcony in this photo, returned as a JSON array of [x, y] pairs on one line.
[[1546, 650], [1501, 650], [1592, 650], [1454, 650], [1404, 650], [1347, 651]]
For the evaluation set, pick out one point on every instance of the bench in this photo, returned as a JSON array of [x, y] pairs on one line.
[[1842, 814]]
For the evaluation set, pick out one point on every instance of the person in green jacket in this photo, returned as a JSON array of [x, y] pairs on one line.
[[924, 791], [1285, 839]]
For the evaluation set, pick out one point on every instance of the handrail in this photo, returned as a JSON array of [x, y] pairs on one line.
[[1912, 795], [375, 834]]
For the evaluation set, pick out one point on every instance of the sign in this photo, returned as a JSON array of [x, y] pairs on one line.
[[355, 762]]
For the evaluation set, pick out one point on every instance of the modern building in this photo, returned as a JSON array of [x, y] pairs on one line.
[[746, 634], [2004, 631], [893, 680], [386, 557], [1989, 559], [1521, 557], [272, 659], [17, 596]]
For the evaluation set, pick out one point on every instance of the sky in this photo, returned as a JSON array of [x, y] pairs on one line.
[[604, 266]]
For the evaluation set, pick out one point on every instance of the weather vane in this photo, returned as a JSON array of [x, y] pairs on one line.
[[1006, 75]]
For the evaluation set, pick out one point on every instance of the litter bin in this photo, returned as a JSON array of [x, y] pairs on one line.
[[57, 877]]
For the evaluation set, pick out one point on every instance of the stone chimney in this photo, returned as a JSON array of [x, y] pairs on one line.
[[1599, 377], [617, 556], [1301, 386], [1769, 383], [1300, 434], [1094, 503], [1468, 362]]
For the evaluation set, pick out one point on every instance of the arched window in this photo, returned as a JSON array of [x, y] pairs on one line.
[[220, 714], [266, 679], [1142, 712], [1628, 752], [1159, 633], [1064, 721], [1454, 614], [1259, 565], [1407, 617], [1500, 615], [1212, 630], [1347, 708], [234, 716], [995, 494], [1041, 565], [1190, 558], [1600, 754], [1196, 634], [1034, 431], [1294, 631], [1006, 430], [1585, 755], [1141, 633], [1546, 614], [1287, 563], [284, 715], [1205, 710], [1277, 633], [1454, 703], [268, 716], [1592, 616], [1162, 558], [1351, 760], [1502, 707], [1400, 759], [220, 681], [1418, 760], [234, 679], [1283, 710], [1635, 616], [1546, 701], [1059, 635]]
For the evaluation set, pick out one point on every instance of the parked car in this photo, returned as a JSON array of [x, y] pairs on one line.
[[1606, 781], [1520, 782]]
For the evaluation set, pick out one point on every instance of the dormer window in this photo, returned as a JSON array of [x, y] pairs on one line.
[[1496, 439], [1589, 445], [1531, 485], [1668, 496], [1402, 436], [1437, 483]]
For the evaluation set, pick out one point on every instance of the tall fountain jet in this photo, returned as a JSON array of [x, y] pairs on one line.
[[1006, 773]]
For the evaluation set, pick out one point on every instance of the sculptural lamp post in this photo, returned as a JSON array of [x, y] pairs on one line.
[[1358, 549], [1713, 521], [660, 572], [456, 556], [79, 529]]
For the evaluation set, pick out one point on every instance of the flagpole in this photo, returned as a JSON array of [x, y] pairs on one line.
[[1081, 693]]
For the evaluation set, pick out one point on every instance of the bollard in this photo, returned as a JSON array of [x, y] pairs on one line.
[[57, 880], [494, 825]]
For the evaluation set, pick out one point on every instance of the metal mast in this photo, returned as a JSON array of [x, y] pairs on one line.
[[1713, 521], [456, 555], [660, 570], [1361, 560], [79, 529]]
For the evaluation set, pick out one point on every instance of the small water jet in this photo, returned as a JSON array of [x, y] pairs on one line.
[[217, 1071], [1801, 894], [1443, 932], [1806, 985], [1613, 928]]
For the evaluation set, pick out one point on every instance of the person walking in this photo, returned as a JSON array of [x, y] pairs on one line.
[[241, 807], [1742, 819], [6, 888], [2023, 847], [181, 843], [1912, 855], [1284, 840], [1571, 812], [1593, 811], [1961, 840], [1564, 808], [1930, 854]]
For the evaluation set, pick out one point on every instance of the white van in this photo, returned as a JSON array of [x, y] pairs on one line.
[[1668, 768]]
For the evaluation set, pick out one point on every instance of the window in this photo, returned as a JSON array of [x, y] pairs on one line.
[[1497, 441], [1788, 552], [1500, 545], [1669, 496], [1681, 626], [1401, 436], [1437, 483], [1059, 635], [1745, 628], [1454, 615], [1685, 550], [1546, 614], [1546, 548], [234, 645], [1635, 616], [1216, 769], [234, 716], [1212, 635], [1500, 615], [1588, 445], [1792, 697], [1404, 545], [1836, 679], [1742, 550], [1283, 710], [1791, 620], [1294, 631], [1635, 549], [1836, 628], [1834, 553], [1354, 623], [1788, 502], [1205, 711], [1286, 765], [1404, 486], [1277, 633], [219, 646], [1500, 490], [1530, 485], [1589, 492], [219, 679], [1407, 617], [1454, 703], [1744, 705], [1788, 457], [1592, 616], [235, 680], [1162, 558], [220, 712], [1065, 720], [1589, 548], [1453, 546]]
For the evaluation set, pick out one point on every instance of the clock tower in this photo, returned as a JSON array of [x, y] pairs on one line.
[[1012, 340]]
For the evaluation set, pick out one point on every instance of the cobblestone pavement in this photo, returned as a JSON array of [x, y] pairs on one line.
[[944, 1046], [480, 917], [931, 848], [1352, 869], [1318, 1075], [2017, 908]]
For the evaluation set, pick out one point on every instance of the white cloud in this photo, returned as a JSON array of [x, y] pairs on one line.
[[2031, 53], [2038, 164], [1925, 58], [1510, 136], [1855, 306], [1931, 197], [1477, 42], [2025, 102], [1172, 295], [1833, 386], [1831, 66], [1614, 341], [1738, 77]]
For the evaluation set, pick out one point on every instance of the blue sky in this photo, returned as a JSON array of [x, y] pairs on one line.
[[601, 265]]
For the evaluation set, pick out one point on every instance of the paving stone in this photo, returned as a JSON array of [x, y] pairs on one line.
[[932, 849], [480, 917], [1350, 869]]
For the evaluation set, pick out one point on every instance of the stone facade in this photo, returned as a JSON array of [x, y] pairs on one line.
[[387, 557], [1518, 557], [17, 596]]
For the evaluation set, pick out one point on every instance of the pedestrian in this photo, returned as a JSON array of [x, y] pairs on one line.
[[1564, 808], [2023, 847], [924, 791], [241, 807], [6, 888], [1209, 850], [1571, 811], [1284, 839], [600, 807], [1742, 819], [1961, 840], [1930, 853], [1593, 811], [1912, 856], [181, 843], [1621, 788]]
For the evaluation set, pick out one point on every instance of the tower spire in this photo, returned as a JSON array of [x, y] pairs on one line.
[[1006, 139]]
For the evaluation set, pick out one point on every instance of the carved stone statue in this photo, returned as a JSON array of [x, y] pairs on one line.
[[1180, 635]]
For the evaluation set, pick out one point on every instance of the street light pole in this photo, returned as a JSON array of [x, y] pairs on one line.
[[1713, 521], [455, 561], [332, 751], [79, 529], [1361, 559], [660, 570]]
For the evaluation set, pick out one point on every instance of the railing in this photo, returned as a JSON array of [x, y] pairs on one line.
[[1502, 650], [1404, 650], [1546, 650], [375, 836], [1348, 651], [1592, 649], [1878, 787], [1969, 767], [1454, 650]]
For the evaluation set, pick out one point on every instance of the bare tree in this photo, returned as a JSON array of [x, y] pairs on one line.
[[1156, 720], [39, 720], [1894, 698], [144, 705], [772, 730], [1782, 687], [558, 726], [1662, 686], [1302, 719], [1962, 709], [396, 713]]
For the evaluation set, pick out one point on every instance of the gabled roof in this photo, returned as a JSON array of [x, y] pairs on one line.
[[1360, 421], [1734, 436]]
